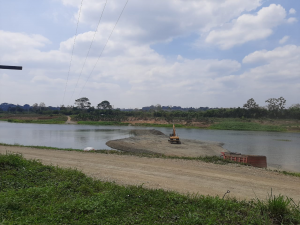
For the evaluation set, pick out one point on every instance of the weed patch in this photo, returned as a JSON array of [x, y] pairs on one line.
[[246, 126], [59, 120], [103, 123]]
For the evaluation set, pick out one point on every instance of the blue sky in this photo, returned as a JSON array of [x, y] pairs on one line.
[[216, 53]]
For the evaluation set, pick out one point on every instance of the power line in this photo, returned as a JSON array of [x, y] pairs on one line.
[[89, 50], [72, 51], [104, 47]]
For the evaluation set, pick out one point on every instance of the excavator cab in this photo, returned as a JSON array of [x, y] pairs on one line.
[[174, 139]]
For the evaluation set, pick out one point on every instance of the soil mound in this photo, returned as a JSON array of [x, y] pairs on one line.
[[147, 132], [154, 141]]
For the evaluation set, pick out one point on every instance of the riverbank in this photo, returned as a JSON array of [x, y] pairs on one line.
[[46, 195], [34, 118], [272, 125]]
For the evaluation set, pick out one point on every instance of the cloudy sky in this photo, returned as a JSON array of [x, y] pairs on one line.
[[192, 53]]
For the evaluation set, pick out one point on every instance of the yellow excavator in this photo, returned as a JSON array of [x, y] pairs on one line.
[[174, 139]]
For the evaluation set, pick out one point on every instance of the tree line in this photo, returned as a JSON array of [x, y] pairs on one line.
[[104, 111], [275, 108]]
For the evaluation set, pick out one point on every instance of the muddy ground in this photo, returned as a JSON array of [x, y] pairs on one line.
[[154, 141], [184, 176]]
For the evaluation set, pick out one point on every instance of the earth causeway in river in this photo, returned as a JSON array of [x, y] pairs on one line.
[[154, 141]]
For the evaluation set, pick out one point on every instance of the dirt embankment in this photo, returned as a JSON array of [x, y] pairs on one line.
[[201, 124], [184, 176], [154, 141]]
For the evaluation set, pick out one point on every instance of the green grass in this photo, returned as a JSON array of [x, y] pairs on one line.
[[126, 124], [287, 173], [32, 193], [59, 120], [163, 125], [157, 125], [246, 126], [104, 123]]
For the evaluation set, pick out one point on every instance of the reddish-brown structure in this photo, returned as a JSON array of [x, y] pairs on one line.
[[253, 160]]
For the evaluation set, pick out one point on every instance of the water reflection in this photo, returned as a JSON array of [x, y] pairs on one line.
[[280, 153]]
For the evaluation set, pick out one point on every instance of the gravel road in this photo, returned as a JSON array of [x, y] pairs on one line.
[[176, 175]]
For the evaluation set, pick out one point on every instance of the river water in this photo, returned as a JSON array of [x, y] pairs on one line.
[[282, 149]]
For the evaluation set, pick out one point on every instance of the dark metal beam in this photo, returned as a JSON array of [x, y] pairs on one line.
[[11, 67]]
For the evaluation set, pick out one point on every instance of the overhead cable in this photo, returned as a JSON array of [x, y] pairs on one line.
[[88, 50], [72, 51], [104, 47]]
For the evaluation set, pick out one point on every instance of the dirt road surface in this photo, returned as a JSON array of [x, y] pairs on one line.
[[168, 174], [69, 121]]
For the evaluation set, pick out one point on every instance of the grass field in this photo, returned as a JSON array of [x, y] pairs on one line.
[[32, 193], [274, 125], [162, 125], [103, 123], [57, 120], [126, 124], [246, 126]]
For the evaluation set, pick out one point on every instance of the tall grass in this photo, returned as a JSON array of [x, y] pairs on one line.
[[126, 124], [246, 126], [280, 207], [59, 120], [163, 125], [32, 193], [104, 123]]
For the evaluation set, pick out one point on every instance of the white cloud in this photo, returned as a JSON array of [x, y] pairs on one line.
[[292, 11], [136, 73], [292, 20], [248, 27], [161, 21], [284, 39], [21, 41], [179, 57], [285, 53], [47, 80], [279, 76]]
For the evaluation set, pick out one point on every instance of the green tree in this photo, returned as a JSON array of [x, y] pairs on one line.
[[276, 104], [158, 107], [83, 103], [251, 104], [104, 105], [295, 106]]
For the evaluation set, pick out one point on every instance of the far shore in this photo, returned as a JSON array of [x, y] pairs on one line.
[[270, 125]]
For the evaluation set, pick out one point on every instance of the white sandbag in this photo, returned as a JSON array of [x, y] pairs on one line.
[[89, 149]]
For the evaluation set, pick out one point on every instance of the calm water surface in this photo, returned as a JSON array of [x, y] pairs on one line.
[[282, 149]]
